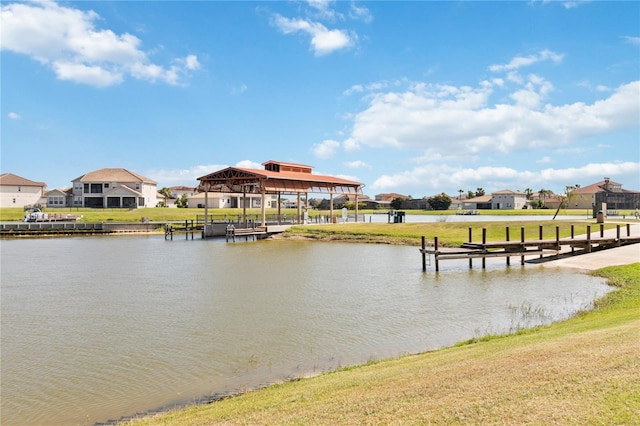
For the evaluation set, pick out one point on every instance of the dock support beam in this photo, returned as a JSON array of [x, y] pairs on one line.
[[484, 241], [522, 241], [424, 254], [470, 238], [508, 257], [435, 249]]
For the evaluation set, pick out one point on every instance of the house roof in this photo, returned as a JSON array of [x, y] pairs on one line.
[[284, 163], [10, 179], [182, 188], [62, 191], [595, 187], [390, 196], [508, 191], [113, 175], [480, 199]]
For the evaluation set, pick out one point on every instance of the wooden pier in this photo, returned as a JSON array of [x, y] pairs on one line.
[[188, 229], [253, 233], [510, 248]]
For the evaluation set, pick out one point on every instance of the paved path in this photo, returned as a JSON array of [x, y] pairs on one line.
[[609, 257]]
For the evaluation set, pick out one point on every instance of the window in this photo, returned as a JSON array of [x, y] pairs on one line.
[[19, 189], [86, 188], [106, 185], [96, 188]]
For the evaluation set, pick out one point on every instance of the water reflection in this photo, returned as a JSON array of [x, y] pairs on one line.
[[98, 328]]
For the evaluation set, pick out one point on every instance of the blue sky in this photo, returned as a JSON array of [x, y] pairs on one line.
[[410, 97]]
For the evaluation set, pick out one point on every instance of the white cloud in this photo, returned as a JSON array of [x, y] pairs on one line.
[[186, 177], [633, 40], [248, 164], [429, 179], [524, 61], [358, 164], [239, 90], [14, 116], [67, 40], [545, 160], [323, 40], [446, 120], [326, 149], [360, 13]]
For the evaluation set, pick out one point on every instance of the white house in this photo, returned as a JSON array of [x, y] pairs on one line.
[[508, 200], [16, 191], [223, 200], [114, 188], [58, 197]]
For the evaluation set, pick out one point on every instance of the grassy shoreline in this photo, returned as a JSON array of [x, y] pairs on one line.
[[585, 370], [174, 214]]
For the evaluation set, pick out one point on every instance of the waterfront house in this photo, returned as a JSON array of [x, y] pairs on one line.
[[114, 188], [16, 191], [507, 199], [605, 192], [226, 200], [59, 197]]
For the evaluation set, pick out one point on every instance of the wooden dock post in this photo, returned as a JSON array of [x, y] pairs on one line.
[[522, 241], [618, 234], [508, 257], [588, 238], [435, 255], [573, 248], [628, 229], [602, 230], [470, 238], [540, 234], [557, 241], [484, 241], [424, 254]]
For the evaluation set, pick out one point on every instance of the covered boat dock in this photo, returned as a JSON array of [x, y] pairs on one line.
[[277, 177]]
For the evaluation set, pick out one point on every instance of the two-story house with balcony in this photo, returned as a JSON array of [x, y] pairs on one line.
[[114, 188]]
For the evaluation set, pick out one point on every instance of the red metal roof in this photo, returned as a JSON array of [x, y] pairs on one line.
[[239, 179]]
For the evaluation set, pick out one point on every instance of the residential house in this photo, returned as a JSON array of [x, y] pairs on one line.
[[507, 199], [342, 199], [482, 202], [384, 200], [114, 188], [224, 200], [16, 191], [606, 191], [59, 197]]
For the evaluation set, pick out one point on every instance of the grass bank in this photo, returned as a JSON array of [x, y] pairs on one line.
[[174, 214], [585, 370], [449, 233]]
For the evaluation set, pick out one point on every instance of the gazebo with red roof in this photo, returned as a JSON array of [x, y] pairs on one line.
[[277, 178]]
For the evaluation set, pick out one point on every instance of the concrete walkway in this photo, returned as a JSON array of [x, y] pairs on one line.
[[600, 259]]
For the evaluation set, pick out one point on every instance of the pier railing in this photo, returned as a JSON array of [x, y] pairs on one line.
[[521, 247]]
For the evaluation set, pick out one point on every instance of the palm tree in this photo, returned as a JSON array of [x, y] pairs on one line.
[[460, 191], [543, 193], [528, 192]]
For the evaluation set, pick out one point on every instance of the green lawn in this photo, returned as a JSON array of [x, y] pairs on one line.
[[449, 233], [173, 214]]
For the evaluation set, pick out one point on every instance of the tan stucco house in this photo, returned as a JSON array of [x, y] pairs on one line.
[[114, 188], [507, 199], [606, 191], [16, 191]]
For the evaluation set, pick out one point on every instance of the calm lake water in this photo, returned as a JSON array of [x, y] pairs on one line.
[[97, 328]]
